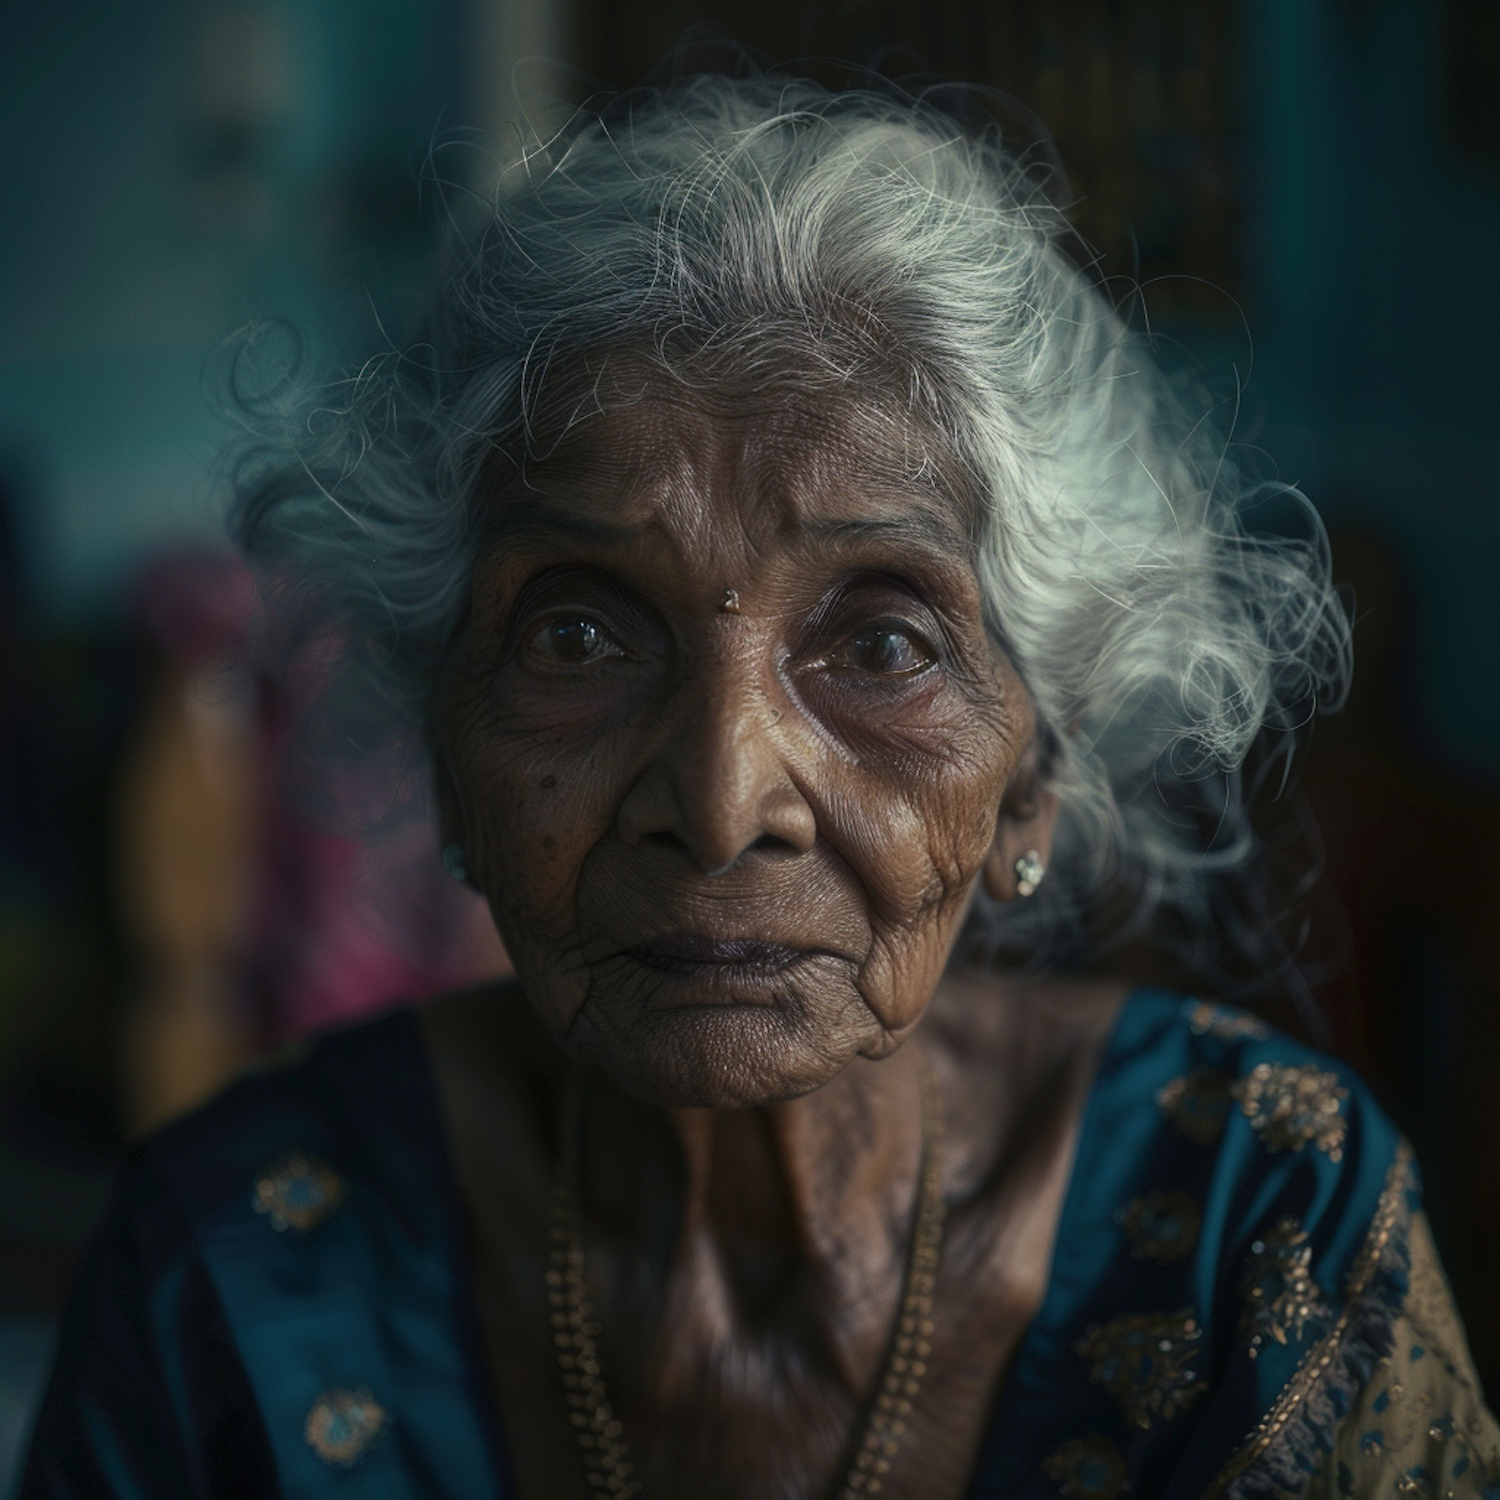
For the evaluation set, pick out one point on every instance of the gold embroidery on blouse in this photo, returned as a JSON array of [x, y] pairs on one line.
[[298, 1192], [1292, 1106], [1381, 1242], [1161, 1226], [1147, 1362], [1280, 1296], [343, 1426], [1196, 1104], [1224, 1023], [1419, 1426], [1088, 1468]]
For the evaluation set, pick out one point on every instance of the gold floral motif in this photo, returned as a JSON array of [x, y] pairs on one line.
[[1196, 1104], [1320, 1367], [343, 1426], [1293, 1105], [298, 1192], [1417, 1482], [1224, 1023], [1161, 1226], [1280, 1296], [1088, 1468], [1147, 1362]]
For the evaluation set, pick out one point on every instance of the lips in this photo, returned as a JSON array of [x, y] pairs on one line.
[[693, 954]]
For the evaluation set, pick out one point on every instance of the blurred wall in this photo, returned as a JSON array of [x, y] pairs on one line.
[[172, 170], [1373, 171]]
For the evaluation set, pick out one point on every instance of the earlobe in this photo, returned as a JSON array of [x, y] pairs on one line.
[[450, 824], [1022, 847]]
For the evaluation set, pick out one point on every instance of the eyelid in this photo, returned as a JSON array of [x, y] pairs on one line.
[[842, 613], [585, 593]]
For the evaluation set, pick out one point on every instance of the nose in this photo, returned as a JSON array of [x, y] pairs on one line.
[[720, 783]]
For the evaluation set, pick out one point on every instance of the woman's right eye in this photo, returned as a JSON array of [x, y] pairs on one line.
[[572, 641]]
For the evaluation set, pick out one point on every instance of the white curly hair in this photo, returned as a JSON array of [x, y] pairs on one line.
[[764, 229]]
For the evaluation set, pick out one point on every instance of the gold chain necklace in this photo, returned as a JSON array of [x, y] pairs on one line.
[[575, 1329]]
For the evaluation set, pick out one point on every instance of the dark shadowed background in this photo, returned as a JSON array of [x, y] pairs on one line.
[[1307, 190]]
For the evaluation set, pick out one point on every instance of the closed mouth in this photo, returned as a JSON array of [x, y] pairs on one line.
[[692, 954]]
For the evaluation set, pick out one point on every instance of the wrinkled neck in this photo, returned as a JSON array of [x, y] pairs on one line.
[[788, 1214]]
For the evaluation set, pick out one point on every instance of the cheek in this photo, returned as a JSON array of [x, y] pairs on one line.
[[917, 836], [533, 807]]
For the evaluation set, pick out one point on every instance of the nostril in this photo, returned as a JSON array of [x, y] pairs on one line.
[[771, 842]]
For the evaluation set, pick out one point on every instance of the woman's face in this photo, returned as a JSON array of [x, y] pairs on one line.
[[727, 743]]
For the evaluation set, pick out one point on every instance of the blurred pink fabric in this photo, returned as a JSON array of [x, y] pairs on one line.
[[352, 911]]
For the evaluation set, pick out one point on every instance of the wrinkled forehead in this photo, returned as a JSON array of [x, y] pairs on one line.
[[647, 450]]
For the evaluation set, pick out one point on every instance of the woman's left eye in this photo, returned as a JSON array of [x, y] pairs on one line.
[[885, 651]]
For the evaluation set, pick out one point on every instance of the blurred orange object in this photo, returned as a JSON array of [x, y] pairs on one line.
[[268, 893]]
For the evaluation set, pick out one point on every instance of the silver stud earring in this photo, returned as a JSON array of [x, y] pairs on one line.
[[454, 863], [1029, 872]]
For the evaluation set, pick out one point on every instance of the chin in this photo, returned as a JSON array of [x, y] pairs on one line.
[[713, 1056]]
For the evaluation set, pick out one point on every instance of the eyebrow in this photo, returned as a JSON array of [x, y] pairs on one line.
[[520, 524], [921, 528]]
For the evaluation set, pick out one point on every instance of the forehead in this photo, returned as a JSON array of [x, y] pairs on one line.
[[689, 466]]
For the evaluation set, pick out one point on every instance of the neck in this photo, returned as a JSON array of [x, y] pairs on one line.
[[783, 1224], [746, 1267]]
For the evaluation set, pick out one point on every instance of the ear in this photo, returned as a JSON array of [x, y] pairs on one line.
[[450, 817], [1028, 818]]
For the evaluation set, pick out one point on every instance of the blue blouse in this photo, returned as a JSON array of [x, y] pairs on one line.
[[279, 1302]]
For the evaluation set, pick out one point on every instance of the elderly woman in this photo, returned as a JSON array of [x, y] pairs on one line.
[[828, 630]]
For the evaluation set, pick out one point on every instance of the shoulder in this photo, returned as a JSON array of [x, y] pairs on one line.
[[1215, 1139], [282, 1149], [1285, 1154], [1339, 1363], [1230, 1262], [1208, 1102], [350, 1112], [282, 1271], [146, 1368], [1223, 1078]]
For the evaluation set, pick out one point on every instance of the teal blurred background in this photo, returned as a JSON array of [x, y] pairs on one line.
[[1309, 189]]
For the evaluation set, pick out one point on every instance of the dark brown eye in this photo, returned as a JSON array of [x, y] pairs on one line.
[[886, 651], [573, 641]]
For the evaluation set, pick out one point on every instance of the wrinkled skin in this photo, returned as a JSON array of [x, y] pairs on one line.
[[728, 749]]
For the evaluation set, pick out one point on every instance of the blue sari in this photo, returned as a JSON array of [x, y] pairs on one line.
[[1243, 1299]]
